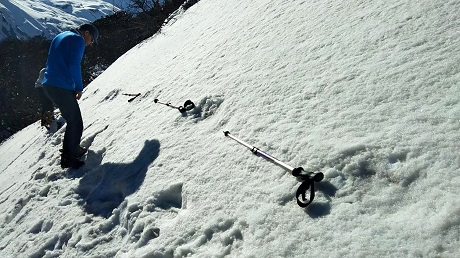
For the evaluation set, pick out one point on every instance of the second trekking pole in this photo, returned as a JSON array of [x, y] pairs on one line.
[[188, 105]]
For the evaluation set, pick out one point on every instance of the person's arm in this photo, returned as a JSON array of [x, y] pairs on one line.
[[77, 48]]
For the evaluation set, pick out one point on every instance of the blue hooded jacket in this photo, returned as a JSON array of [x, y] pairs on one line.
[[63, 67]]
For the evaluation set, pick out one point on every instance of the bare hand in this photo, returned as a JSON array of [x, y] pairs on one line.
[[78, 96]]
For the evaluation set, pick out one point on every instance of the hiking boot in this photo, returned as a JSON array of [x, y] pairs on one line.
[[80, 152], [71, 162]]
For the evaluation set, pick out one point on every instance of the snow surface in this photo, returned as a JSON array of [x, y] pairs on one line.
[[28, 18], [364, 91]]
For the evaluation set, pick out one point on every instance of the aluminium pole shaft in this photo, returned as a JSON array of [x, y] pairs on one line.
[[298, 172], [261, 153]]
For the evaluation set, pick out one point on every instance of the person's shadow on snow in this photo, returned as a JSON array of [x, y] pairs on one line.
[[104, 188]]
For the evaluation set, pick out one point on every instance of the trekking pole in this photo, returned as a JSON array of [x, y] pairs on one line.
[[308, 179], [188, 105], [134, 96]]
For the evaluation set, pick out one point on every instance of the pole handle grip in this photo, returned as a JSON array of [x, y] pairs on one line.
[[303, 175], [302, 192], [308, 180]]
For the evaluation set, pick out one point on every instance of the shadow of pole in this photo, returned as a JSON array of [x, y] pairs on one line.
[[104, 188], [322, 208]]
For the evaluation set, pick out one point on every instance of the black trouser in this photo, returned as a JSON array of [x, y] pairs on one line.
[[67, 103], [45, 103]]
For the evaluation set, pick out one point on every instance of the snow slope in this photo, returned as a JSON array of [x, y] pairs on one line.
[[364, 91], [28, 18]]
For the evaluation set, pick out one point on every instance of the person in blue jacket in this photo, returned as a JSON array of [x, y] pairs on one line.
[[63, 84]]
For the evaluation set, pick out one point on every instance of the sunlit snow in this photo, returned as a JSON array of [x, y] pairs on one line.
[[366, 92]]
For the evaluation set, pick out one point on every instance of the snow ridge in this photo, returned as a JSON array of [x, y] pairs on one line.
[[28, 18]]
